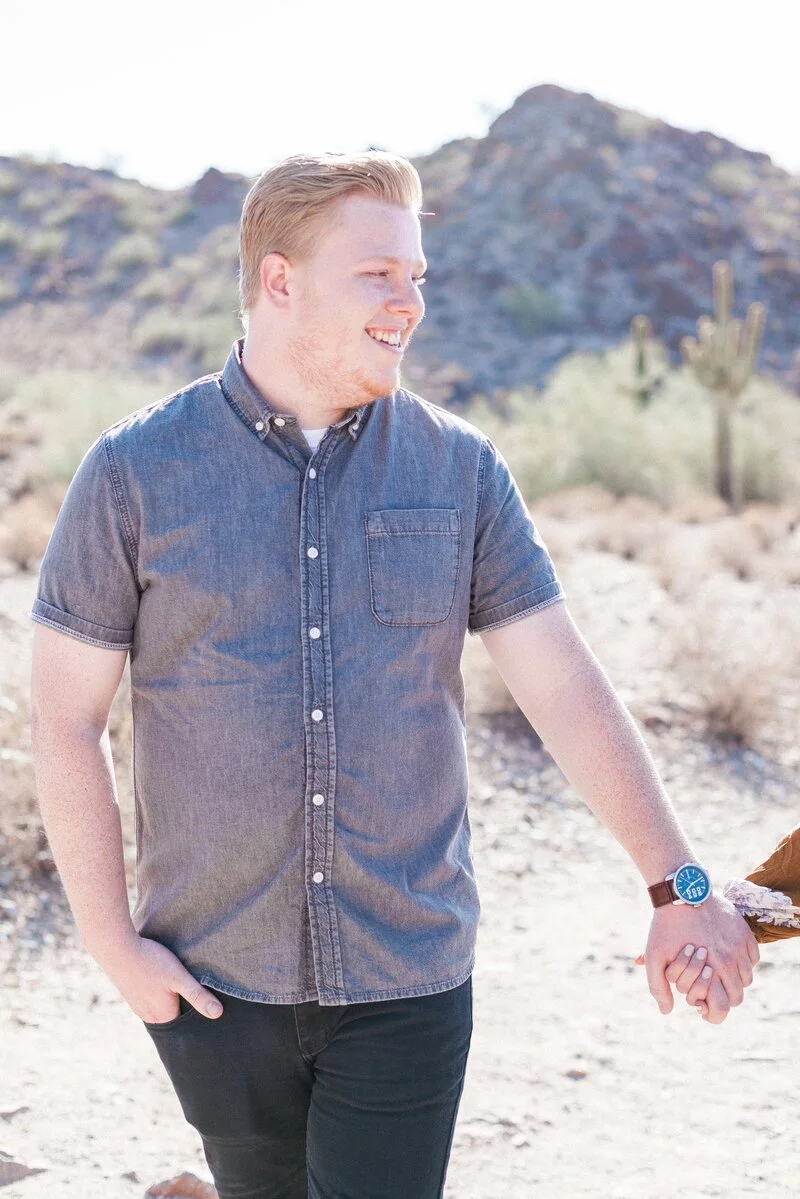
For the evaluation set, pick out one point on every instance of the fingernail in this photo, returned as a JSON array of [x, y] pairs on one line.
[[688, 950], [706, 972], [214, 1007], [702, 953]]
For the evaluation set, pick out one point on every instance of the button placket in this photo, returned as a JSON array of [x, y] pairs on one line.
[[320, 734]]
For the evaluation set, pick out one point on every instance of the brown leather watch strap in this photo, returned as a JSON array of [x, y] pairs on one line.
[[661, 893]]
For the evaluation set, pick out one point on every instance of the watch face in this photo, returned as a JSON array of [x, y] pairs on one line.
[[692, 884]]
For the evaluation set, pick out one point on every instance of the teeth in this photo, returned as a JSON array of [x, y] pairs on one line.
[[391, 339]]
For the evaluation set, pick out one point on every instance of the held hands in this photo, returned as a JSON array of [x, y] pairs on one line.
[[713, 975], [150, 979]]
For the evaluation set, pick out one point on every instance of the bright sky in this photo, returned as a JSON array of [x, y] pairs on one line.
[[162, 89]]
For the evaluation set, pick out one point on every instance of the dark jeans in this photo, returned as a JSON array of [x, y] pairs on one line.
[[298, 1101]]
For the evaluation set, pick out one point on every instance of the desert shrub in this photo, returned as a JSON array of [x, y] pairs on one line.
[[738, 653], [224, 245], [769, 524], [10, 184], [181, 214], [163, 284], [733, 547], [140, 210], [46, 243], [161, 332], [211, 338], [61, 214], [575, 503], [24, 531], [206, 338], [215, 295], [732, 178], [22, 838], [11, 235], [698, 508], [134, 250], [630, 529], [35, 200], [768, 443], [190, 266], [586, 428], [531, 309], [65, 410]]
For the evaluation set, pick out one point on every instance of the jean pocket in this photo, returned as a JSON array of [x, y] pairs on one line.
[[185, 1011], [413, 556]]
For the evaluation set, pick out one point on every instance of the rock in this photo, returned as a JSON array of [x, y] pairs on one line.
[[9, 1110], [185, 1186], [14, 1171]]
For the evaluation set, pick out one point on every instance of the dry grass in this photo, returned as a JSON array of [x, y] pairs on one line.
[[22, 839], [23, 843], [699, 508], [25, 530], [732, 546], [631, 529], [739, 654], [574, 503]]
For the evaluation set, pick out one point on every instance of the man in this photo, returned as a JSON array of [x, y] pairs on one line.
[[292, 551]]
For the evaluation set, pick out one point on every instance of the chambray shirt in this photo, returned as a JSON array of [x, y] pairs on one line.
[[295, 624]]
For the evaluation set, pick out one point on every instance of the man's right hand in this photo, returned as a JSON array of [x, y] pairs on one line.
[[150, 979]]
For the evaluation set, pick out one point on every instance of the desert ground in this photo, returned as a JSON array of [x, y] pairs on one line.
[[577, 1086]]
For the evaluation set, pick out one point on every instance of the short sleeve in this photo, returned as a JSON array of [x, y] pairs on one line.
[[512, 574], [87, 583]]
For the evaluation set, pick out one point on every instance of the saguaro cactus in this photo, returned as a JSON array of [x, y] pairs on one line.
[[722, 357], [644, 379]]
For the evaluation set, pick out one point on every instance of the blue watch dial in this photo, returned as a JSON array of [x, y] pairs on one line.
[[692, 884]]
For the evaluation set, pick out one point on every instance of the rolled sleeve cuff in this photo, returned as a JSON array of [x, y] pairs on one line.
[[76, 626], [532, 601]]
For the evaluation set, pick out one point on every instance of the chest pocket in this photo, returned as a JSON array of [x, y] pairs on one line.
[[413, 556]]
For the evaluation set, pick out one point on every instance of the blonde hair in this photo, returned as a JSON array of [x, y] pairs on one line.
[[281, 212]]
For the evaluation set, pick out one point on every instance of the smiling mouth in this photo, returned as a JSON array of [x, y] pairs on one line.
[[390, 339]]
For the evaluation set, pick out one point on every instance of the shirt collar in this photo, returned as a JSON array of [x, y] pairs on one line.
[[245, 398]]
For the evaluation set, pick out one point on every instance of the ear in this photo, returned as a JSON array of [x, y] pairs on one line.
[[275, 272]]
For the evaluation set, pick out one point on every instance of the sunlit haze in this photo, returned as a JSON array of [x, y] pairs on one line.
[[162, 90]]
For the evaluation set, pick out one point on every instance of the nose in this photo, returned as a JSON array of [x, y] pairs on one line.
[[408, 301]]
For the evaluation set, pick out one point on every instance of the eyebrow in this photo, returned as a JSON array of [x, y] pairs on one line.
[[422, 265]]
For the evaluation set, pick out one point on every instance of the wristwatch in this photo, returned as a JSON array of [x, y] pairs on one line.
[[688, 884]]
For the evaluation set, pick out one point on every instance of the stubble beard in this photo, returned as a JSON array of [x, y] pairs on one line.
[[333, 379]]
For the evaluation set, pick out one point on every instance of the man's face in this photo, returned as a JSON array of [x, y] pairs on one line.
[[356, 301]]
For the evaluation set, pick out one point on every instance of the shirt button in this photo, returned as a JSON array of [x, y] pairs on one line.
[[280, 422], [317, 715], [314, 634], [318, 876], [312, 551], [318, 800], [259, 425], [312, 474]]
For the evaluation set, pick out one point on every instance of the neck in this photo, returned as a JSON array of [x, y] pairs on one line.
[[284, 390]]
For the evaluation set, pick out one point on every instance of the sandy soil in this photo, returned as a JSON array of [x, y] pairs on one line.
[[577, 1086]]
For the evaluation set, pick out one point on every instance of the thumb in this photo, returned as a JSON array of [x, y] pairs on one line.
[[205, 1002], [659, 987]]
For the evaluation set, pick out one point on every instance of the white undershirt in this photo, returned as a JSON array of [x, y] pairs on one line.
[[314, 436]]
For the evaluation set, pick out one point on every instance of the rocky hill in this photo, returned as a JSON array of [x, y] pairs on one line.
[[549, 234]]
